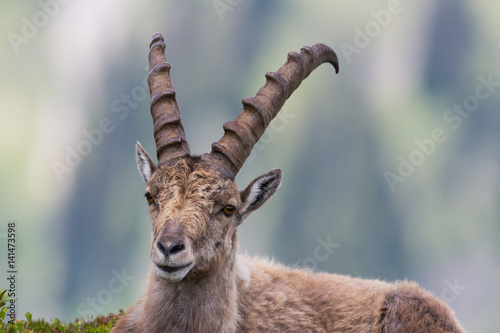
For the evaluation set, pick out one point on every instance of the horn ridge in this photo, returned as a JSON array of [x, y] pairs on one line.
[[235, 146], [169, 133]]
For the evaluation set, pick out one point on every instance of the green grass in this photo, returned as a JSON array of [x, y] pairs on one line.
[[99, 324]]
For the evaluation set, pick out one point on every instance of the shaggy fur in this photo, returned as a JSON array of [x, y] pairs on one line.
[[204, 286]]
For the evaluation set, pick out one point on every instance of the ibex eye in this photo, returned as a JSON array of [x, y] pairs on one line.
[[149, 198], [229, 210]]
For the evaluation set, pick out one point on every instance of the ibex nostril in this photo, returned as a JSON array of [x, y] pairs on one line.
[[176, 248], [161, 247]]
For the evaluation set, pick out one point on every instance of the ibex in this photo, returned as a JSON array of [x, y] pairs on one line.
[[198, 282]]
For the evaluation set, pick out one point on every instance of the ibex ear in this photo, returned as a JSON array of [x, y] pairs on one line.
[[145, 165], [259, 191]]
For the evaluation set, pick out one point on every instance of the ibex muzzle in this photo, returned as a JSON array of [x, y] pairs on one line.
[[172, 250], [173, 255], [172, 240]]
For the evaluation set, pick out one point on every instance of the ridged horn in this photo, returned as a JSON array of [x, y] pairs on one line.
[[169, 133], [240, 135]]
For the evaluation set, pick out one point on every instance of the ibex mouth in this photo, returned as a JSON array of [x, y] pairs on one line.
[[173, 269], [173, 273]]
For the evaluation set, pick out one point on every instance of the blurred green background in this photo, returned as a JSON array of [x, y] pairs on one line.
[[360, 169]]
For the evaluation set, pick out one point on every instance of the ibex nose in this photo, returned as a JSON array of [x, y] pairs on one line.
[[171, 240], [169, 248]]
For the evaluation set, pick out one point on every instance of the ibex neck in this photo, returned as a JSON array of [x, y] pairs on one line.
[[207, 304]]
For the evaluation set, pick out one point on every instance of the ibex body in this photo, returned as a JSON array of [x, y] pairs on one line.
[[198, 282]]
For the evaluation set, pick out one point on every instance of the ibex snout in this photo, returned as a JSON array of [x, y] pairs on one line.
[[173, 254], [171, 240]]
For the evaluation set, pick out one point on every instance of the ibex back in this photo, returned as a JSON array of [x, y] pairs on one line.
[[197, 281]]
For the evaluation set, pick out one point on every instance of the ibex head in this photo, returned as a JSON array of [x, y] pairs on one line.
[[193, 200]]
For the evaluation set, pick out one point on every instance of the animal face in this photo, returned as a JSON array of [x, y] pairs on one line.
[[195, 211]]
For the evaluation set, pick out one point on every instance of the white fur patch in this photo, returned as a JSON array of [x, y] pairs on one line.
[[242, 271], [255, 191], [146, 170], [143, 164]]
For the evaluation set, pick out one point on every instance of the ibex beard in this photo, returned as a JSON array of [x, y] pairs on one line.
[[197, 282]]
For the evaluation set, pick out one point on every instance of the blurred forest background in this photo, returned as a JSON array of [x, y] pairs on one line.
[[394, 162]]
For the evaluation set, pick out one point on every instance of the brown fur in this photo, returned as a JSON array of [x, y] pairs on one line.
[[224, 292]]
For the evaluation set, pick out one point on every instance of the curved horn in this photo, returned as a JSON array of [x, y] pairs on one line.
[[169, 134], [241, 134]]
